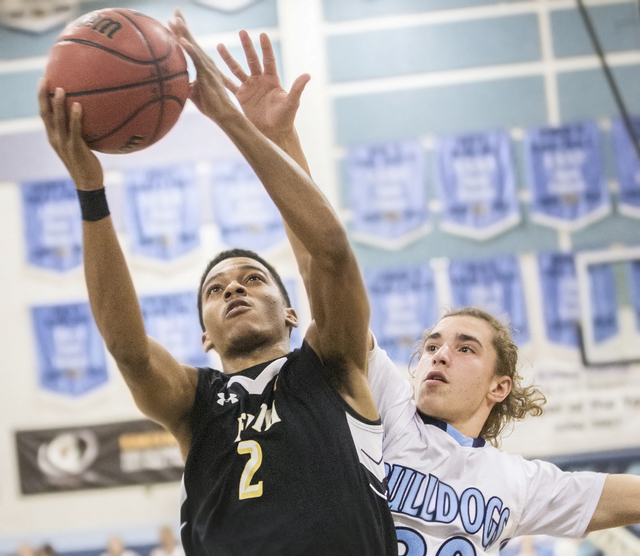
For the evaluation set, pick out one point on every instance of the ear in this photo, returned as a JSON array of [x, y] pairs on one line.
[[500, 388], [291, 318], [207, 344]]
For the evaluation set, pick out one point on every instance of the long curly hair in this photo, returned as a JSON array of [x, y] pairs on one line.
[[522, 400]]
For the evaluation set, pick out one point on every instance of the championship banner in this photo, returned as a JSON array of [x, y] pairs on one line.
[[70, 351], [477, 187], [99, 456], [634, 287], [403, 305], [495, 286], [163, 211], [53, 226], [560, 298], [172, 319], [243, 210], [566, 176], [604, 301], [628, 167], [387, 194]]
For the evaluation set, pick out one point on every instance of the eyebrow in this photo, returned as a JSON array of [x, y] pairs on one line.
[[243, 267], [462, 337]]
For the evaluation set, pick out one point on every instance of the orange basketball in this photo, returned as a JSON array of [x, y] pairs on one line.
[[128, 73]]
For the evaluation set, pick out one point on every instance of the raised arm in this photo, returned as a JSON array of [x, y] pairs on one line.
[[162, 388], [339, 333], [619, 503]]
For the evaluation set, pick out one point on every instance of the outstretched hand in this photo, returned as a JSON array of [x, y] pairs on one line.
[[208, 90], [65, 136], [262, 98]]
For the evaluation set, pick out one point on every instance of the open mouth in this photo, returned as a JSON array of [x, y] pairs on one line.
[[235, 306], [437, 376]]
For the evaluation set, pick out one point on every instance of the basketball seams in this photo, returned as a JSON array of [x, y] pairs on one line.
[[108, 50], [158, 71]]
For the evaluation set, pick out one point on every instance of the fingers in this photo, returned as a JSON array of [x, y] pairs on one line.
[[43, 102], [234, 67], [75, 122], [268, 57], [298, 86], [250, 52], [59, 119]]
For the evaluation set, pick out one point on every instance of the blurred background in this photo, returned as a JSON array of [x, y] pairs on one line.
[[475, 150]]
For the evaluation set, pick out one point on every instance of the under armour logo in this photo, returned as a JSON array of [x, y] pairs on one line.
[[222, 399]]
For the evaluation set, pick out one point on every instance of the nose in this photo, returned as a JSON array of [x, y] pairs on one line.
[[234, 287], [442, 356]]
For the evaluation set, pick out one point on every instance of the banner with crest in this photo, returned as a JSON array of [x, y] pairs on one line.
[[387, 194], [70, 351], [566, 177], [52, 224], [477, 187], [403, 305], [244, 212], [163, 211]]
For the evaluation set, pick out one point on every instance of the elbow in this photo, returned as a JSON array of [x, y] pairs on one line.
[[132, 356], [336, 250]]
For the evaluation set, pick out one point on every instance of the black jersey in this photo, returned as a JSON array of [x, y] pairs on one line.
[[279, 464]]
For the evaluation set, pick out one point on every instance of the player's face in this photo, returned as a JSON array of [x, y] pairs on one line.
[[455, 379], [242, 307]]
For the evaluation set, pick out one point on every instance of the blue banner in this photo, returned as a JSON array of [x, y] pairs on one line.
[[477, 188], [70, 350], [495, 286], [628, 166], [387, 191], [604, 301], [163, 211], [244, 212], [172, 319], [403, 306], [566, 177], [53, 226], [634, 281], [560, 298]]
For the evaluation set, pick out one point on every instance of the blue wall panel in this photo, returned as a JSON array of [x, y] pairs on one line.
[[448, 109], [584, 95], [486, 42], [19, 94], [616, 26], [339, 10]]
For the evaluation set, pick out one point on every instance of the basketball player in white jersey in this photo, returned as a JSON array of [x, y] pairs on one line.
[[451, 491]]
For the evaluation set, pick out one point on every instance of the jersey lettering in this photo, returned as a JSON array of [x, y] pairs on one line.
[[247, 490], [438, 502]]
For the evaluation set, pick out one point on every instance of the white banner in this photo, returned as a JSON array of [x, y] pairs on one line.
[[628, 166]]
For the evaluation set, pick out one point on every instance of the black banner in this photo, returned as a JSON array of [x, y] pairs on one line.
[[99, 456]]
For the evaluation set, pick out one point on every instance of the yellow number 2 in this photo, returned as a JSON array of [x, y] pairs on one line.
[[247, 490]]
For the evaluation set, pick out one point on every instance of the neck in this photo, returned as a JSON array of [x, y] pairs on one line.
[[235, 362]]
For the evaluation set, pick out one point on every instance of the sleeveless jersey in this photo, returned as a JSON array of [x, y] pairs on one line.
[[279, 464], [456, 496]]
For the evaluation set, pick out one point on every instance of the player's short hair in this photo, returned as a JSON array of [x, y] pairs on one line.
[[522, 399], [233, 254]]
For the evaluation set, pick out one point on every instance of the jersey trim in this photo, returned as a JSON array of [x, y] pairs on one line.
[[453, 432]]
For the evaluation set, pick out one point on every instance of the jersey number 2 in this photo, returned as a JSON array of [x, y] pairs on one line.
[[247, 490]]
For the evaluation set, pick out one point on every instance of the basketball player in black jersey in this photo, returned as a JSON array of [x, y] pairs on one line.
[[283, 450]]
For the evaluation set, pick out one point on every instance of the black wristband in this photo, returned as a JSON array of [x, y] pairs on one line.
[[93, 204]]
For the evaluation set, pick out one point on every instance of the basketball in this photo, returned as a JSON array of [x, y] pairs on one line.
[[128, 73]]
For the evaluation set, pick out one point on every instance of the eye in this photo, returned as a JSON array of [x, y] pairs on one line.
[[254, 277], [214, 288], [432, 348], [466, 349]]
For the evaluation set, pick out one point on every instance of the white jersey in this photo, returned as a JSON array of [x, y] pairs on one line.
[[456, 496]]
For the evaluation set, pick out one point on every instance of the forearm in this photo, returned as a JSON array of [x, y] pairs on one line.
[[619, 503], [112, 296]]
